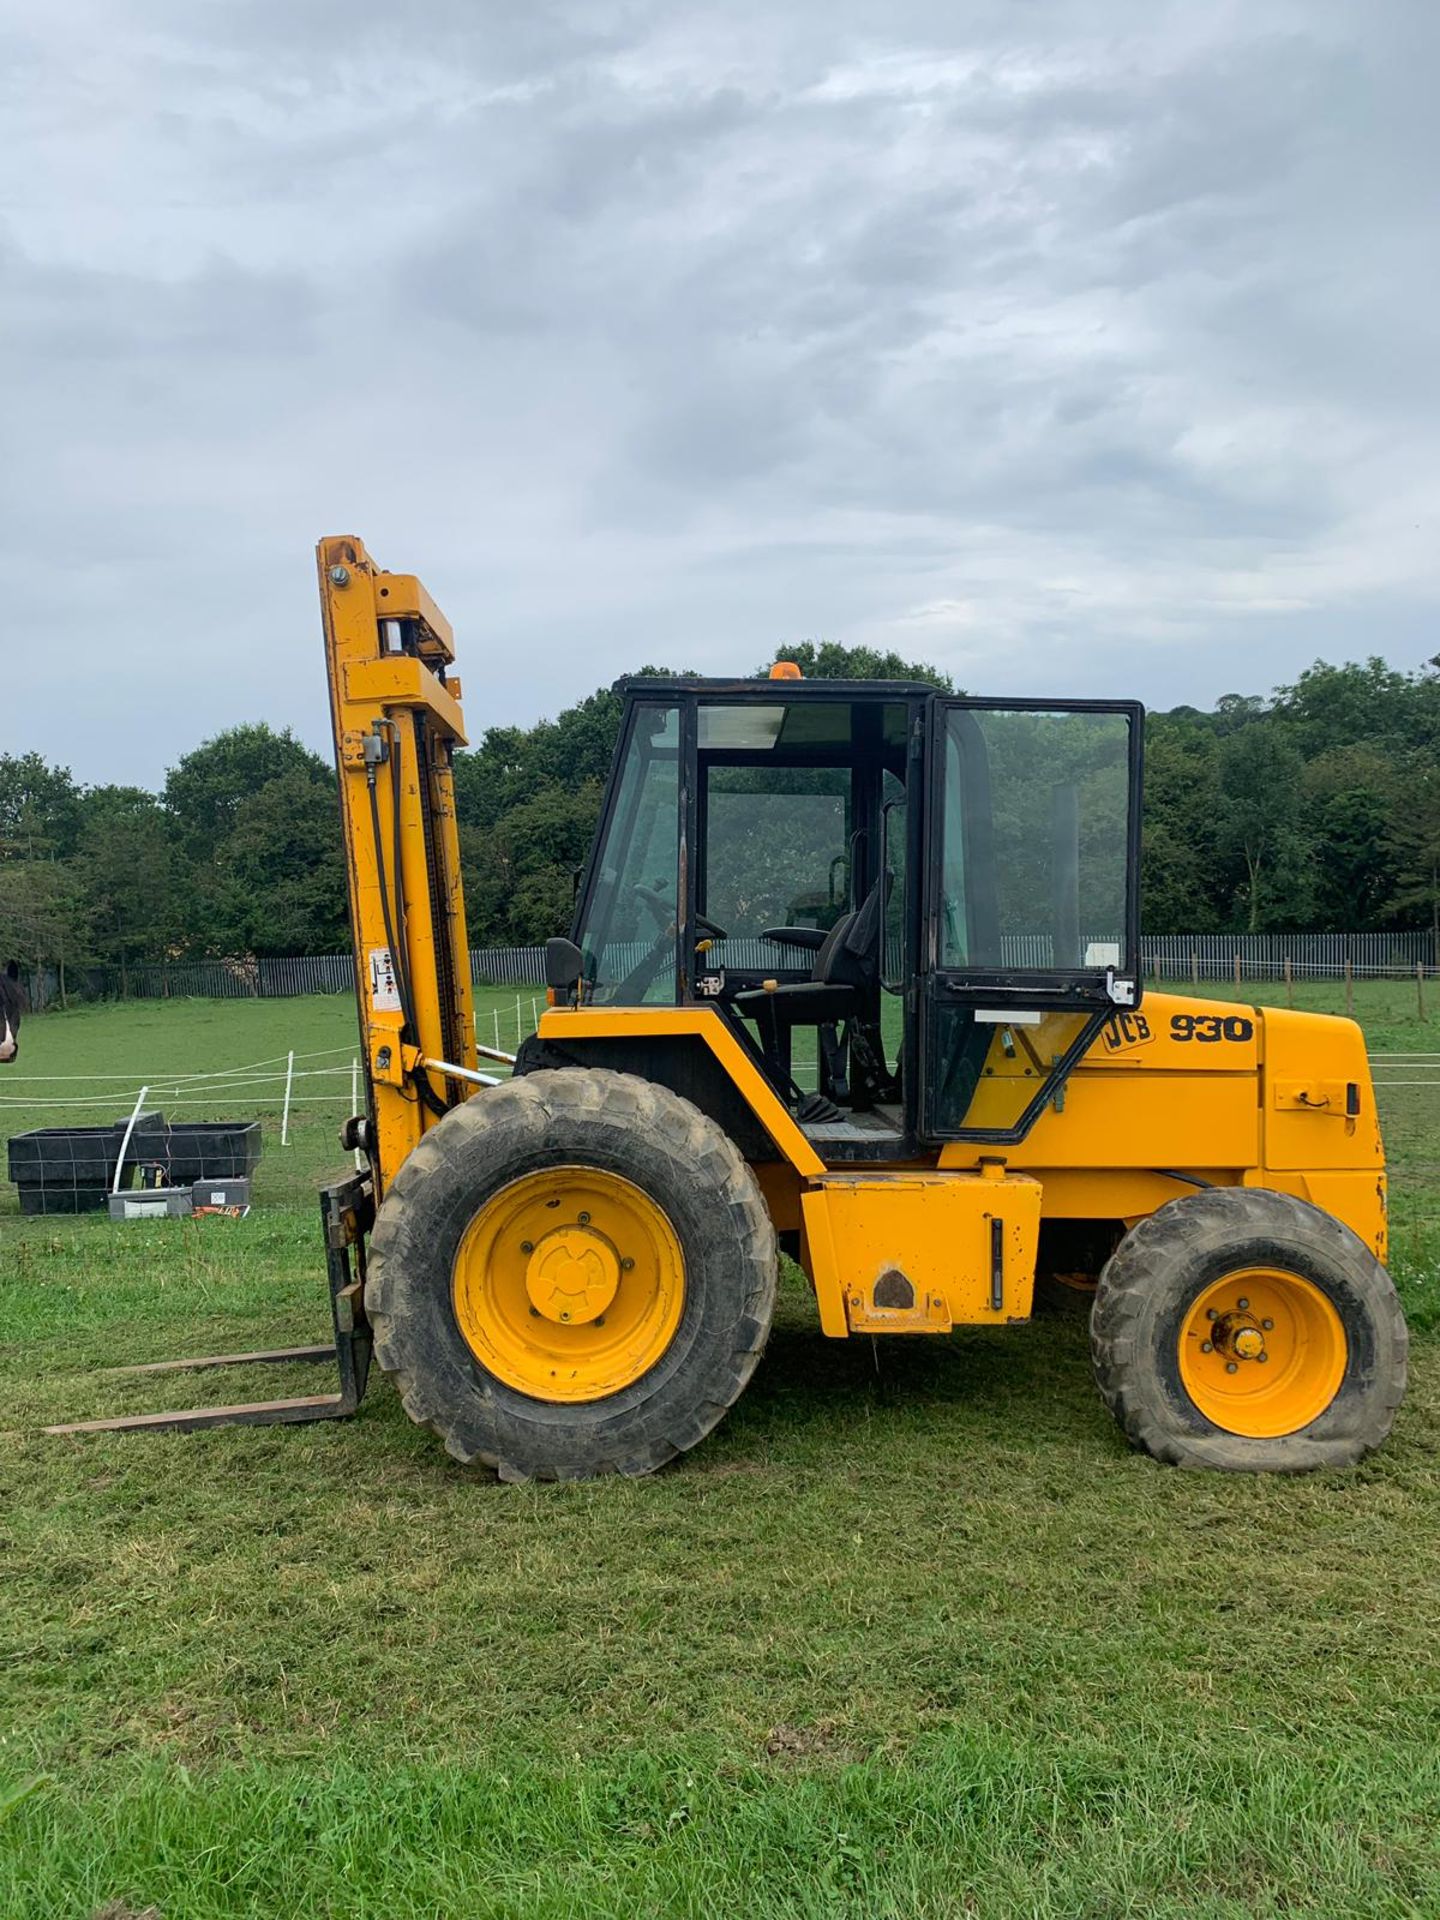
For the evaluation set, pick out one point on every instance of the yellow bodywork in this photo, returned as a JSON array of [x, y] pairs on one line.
[[1249, 1096], [911, 1252]]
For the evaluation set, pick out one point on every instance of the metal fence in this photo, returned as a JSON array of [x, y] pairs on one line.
[[242, 979], [1267, 956], [1166, 956]]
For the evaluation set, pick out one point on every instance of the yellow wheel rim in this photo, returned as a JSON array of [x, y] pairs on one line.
[[569, 1284], [1262, 1352]]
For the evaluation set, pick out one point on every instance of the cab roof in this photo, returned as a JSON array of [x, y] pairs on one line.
[[693, 687]]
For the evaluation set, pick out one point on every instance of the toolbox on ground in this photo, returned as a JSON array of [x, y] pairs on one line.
[[150, 1203]]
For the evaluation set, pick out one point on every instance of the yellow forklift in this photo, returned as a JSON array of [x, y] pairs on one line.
[[854, 974]]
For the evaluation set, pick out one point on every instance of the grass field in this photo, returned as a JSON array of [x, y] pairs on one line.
[[912, 1635]]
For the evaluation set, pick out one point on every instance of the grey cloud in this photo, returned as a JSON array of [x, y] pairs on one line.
[[1082, 347]]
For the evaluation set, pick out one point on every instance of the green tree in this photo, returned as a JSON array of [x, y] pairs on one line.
[[495, 776], [1179, 861], [39, 809], [131, 877], [513, 764], [1259, 827], [42, 913], [519, 872], [1331, 707], [205, 791], [1413, 841], [278, 881], [527, 799], [1235, 710], [1348, 800]]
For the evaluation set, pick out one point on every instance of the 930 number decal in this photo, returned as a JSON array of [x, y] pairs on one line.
[[1211, 1027]]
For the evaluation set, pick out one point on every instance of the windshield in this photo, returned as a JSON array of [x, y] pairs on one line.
[[627, 931]]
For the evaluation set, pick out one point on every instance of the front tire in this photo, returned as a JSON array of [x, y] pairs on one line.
[[1246, 1330], [572, 1275]]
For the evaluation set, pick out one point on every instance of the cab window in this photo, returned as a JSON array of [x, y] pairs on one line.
[[776, 848]]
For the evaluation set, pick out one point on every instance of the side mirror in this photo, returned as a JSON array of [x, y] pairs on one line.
[[563, 964]]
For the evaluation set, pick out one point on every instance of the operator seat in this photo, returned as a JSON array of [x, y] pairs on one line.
[[844, 977]]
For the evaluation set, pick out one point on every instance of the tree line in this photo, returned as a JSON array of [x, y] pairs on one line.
[[1318, 806]]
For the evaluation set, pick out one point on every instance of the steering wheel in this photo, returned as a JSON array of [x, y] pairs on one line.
[[664, 913]]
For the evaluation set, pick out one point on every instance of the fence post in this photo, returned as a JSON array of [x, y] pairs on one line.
[[1420, 987], [1349, 988], [285, 1110], [1237, 974], [1194, 968], [1289, 984]]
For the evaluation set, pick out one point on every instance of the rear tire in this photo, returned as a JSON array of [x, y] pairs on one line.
[[430, 1277], [1183, 1377]]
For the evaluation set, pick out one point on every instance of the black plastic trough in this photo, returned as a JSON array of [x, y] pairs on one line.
[[72, 1169], [212, 1150]]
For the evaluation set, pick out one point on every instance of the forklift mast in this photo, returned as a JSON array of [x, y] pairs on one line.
[[397, 722]]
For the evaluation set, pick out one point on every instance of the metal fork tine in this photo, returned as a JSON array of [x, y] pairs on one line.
[[326, 1352]]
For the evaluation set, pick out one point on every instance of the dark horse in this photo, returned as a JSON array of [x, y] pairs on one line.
[[12, 1004]]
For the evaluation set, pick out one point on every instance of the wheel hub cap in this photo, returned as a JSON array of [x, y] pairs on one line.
[[572, 1276], [1247, 1343], [569, 1283]]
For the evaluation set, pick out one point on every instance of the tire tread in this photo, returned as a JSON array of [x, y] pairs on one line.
[[1143, 1267], [621, 1106]]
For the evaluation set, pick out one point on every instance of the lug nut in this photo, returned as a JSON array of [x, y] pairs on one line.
[[584, 1219], [1262, 1358], [1243, 1305], [527, 1246], [1211, 1314], [1231, 1366], [1269, 1325], [534, 1313], [1207, 1346], [599, 1319], [627, 1264]]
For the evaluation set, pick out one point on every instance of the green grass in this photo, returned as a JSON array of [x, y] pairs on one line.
[[913, 1634]]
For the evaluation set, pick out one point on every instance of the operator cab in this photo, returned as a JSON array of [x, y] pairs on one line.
[[914, 911]]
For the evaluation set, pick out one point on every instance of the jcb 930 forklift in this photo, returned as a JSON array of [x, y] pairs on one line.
[[854, 974]]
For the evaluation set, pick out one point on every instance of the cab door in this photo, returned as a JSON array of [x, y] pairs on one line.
[[1031, 909]]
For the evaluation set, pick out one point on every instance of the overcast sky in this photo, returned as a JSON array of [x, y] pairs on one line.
[[1079, 348]]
